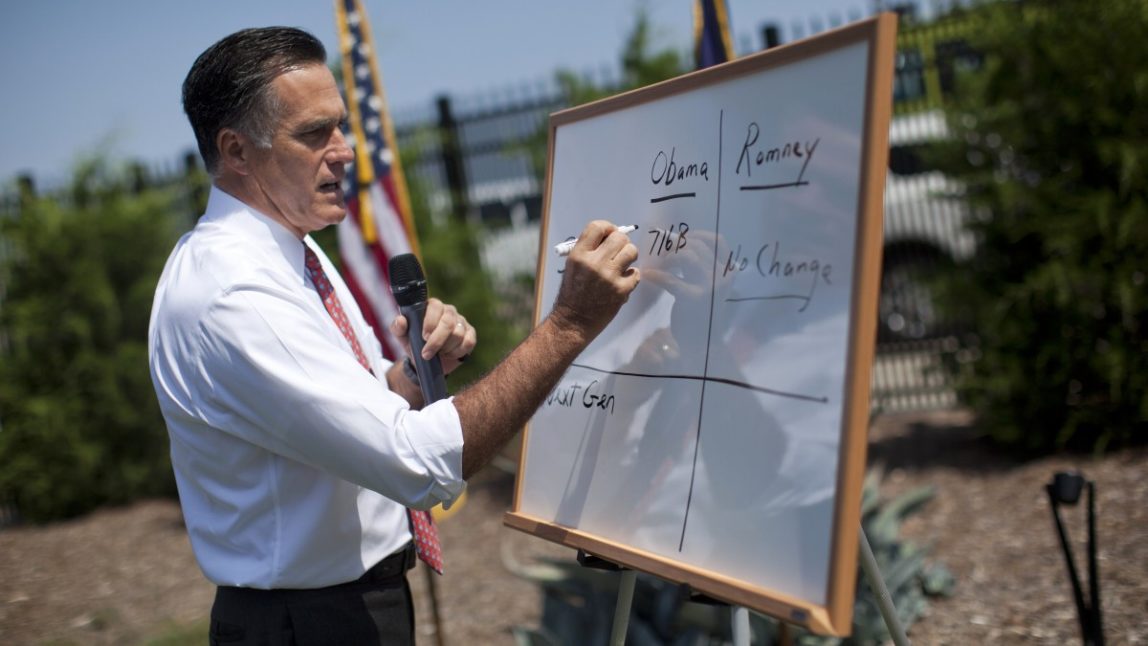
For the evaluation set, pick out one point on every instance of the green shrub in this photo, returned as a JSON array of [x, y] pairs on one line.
[[79, 422], [1050, 142]]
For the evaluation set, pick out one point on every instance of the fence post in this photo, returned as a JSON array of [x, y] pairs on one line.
[[138, 178], [770, 35], [26, 185], [196, 187], [452, 160]]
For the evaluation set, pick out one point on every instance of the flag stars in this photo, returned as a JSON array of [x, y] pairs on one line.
[[362, 70], [372, 125]]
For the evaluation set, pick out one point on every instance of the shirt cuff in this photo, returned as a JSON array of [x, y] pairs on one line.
[[436, 438]]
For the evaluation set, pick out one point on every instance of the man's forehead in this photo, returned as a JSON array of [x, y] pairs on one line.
[[308, 92]]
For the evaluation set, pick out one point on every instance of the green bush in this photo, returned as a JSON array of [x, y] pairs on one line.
[[79, 423], [1050, 142]]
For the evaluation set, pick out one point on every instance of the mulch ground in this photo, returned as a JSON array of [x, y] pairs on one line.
[[121, 576]]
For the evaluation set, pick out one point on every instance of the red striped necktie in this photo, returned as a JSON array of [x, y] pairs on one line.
[[421, 524]]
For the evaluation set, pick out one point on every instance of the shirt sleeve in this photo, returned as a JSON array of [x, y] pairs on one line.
[[277, 376]]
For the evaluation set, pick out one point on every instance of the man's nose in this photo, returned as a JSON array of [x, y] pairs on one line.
[[340, 149]]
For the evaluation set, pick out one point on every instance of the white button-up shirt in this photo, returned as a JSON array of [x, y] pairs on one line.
[[294, 464]]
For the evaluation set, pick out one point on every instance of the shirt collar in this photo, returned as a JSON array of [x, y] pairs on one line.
[[266, 231]]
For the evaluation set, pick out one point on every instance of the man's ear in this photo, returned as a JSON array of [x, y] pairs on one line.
[[234, 150]]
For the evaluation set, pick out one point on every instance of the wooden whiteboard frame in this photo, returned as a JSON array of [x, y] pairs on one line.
[[835, 617]]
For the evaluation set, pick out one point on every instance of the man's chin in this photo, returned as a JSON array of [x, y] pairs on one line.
[[337, 216]]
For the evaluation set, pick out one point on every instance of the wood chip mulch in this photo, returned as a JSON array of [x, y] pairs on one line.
[[124, 575]]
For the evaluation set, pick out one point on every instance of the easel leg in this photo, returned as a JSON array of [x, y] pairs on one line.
[[741, 632], [622, 608], [873, 576], [784, 638], [432, 590]]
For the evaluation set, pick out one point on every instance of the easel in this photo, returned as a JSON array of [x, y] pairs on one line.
[[740, 614], [1065, 489]]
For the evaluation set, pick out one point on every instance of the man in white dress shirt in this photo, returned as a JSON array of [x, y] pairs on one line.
[[296, 453]]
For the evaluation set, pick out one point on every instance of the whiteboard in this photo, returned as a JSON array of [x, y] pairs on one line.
[[714, 433]]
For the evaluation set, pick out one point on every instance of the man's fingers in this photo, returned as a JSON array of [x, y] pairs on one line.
[[458, 347], [446, 333], [447, 330], [455, 338], [625, 255], [431, 316], [399, 327], [399, 330], [630, 279], [593, 235]]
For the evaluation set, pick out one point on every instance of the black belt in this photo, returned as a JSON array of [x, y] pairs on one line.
[[392, 567]]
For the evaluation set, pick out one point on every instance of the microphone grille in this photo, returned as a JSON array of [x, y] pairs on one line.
[[408, 283]]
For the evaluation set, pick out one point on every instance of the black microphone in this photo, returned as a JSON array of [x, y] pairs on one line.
[[409, 286]]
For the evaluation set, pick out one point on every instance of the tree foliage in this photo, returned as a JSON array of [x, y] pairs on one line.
[[642, 64], [80, 423], [1051, 145], [455, 275]]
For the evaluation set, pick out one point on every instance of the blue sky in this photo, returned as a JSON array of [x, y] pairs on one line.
[[82, 76]]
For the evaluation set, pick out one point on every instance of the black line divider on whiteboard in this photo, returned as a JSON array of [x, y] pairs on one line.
[[721, 380], [709, 338]]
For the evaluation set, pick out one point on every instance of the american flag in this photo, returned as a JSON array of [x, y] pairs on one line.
[[379, 224], [712, 43]]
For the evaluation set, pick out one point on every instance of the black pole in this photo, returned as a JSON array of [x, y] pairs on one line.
[[1094, 570], [27, 185], [138, 177], [1077, 594], [771, 35], [452, 160]]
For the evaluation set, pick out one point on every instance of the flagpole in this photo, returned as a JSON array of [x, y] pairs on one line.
[[377, 227]]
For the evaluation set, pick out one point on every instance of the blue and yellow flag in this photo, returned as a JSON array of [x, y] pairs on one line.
[[712, 42]]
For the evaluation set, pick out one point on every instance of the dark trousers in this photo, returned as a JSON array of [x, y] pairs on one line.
[[375, 609]]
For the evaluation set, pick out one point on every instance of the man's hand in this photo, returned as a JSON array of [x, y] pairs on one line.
[[597, 281], [445, 332]]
